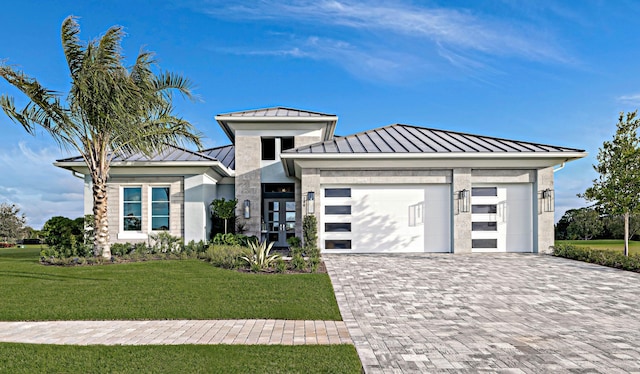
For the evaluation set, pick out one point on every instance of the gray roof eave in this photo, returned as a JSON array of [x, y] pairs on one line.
[[569, 155], [216, 165]]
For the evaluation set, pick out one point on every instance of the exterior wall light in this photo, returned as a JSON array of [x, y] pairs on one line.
[[547, 200], [464, 201], [311, 200], [247, 209]]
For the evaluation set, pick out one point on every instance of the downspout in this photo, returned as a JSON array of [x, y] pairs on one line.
[[560, 168]]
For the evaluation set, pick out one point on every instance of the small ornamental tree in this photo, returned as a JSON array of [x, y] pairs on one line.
[[11, 221], [617, 189], [224, 209]]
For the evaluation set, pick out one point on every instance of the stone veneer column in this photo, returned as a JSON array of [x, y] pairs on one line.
[[311, 182], [545, 219], [248, 183], [461, 221]]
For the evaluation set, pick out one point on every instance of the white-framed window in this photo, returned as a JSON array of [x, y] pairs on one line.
[[132, 208], [160, 208]]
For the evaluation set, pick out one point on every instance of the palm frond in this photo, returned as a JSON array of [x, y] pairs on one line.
[[71, 45], [109, 51]]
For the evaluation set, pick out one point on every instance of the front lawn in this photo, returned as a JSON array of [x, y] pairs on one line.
[[28, 358], [608, 244], [176, 289]]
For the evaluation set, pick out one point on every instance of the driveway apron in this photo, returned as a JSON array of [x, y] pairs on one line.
[[511, 313]]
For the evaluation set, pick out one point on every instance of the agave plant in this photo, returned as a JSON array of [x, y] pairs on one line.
[[260, 258]]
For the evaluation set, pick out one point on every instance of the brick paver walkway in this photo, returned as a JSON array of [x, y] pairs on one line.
[[506, 313], [283, 332]]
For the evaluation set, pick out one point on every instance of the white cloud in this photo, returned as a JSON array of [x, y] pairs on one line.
[[40, 189], [633, 99], [459, 37]]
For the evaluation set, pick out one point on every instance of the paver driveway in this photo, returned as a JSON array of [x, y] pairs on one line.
[[510, 313]]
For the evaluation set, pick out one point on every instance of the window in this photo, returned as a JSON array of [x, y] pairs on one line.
[[484, 191], [159, 208], [484, 243], [337, 209], [268, 148], [337, 192], [132, 208], [484, 226], [286, 143], [337, 244], [484, 209], [337, 227]]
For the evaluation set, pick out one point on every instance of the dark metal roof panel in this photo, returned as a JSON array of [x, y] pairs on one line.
[[411, 139], [225, 154]]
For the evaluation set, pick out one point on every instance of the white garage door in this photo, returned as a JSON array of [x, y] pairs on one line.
[[502, 218], [386, 218]]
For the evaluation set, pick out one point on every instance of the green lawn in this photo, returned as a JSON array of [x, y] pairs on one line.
[[28, 358], [188, 289], [615, 245]]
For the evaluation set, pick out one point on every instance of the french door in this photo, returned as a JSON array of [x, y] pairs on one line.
[[280, 220]]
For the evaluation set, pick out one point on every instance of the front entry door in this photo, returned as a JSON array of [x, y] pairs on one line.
[[280, 220]]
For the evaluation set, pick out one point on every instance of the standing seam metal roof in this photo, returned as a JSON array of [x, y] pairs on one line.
[[276, 112], [171, 153], [225, 154], [401, 138]]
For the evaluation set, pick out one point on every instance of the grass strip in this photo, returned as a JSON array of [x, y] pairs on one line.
[[32, 358]]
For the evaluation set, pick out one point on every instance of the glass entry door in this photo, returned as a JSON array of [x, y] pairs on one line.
[[280, 220]]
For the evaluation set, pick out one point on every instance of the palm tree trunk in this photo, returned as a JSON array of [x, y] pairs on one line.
[[626, 234], [101, 241]]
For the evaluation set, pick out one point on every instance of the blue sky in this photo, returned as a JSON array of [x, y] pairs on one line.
[[555, 72]]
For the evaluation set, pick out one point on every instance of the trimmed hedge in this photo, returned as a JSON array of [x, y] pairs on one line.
[[614, 259]]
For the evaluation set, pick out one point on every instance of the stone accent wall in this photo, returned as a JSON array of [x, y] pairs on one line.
[[545, 219], [247, 180], [176, 218], [461, 220], [311, 182]]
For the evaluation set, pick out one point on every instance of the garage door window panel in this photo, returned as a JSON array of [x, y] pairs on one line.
[[337, 192], [337, 227], [337, 209], [337, 244]]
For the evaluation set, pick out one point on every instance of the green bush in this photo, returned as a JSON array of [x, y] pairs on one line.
[[194, 247], [614, 259], [163, 242], [234, 239], [225, 256]]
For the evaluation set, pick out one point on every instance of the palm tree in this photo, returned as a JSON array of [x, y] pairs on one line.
[[109, 111]]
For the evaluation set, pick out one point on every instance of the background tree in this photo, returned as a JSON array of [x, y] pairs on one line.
[[614, 226], [110, 110], [224, 210], [584, 224], [11, 221], [617, 189]]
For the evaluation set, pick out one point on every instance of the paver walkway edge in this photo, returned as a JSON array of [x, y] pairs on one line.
[[174, 332]]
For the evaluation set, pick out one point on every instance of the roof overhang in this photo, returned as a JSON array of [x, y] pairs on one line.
[[230, 124], [293, 163], [185, 167]]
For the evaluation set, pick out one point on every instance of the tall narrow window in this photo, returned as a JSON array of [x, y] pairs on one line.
[[159, 208], [268, 148], [132, 208]]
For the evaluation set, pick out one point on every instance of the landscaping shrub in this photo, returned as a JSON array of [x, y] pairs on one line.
[[163, 242], [225, 256], [603, 257], [260, 259], [6, 245], [234, 239]]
